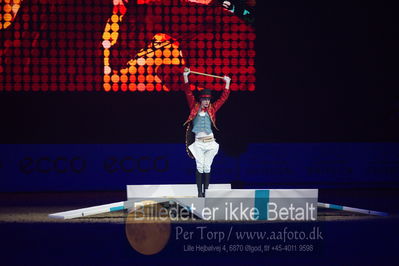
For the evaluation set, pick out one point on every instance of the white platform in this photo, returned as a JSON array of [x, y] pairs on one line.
[[266, 204], [221, 202], [117, 206]]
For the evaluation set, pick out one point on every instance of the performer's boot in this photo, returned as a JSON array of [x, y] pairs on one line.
[[198, 179], [207, 177]]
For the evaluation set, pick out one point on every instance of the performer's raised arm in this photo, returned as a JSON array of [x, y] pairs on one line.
[[225, 94], [189, 94]]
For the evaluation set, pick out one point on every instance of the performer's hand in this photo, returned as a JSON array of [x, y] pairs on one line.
[[227, 80], [186, 71], [228, 5], [185, 74]]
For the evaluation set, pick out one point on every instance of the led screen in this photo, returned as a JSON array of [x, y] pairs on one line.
[[126, 46]]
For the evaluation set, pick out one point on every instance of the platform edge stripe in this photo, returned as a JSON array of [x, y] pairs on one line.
[[336, 207], [117, 208], [262, 203]]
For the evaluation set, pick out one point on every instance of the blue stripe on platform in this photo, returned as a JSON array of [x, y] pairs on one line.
[[119, 208], [337, 207], [262, 203]]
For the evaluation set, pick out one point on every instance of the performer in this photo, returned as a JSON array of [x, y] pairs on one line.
[[199, 123]]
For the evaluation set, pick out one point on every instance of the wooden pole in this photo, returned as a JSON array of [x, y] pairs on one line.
[[205, 74]]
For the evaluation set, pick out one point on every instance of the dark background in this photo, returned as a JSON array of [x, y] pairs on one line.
[[325, 73]]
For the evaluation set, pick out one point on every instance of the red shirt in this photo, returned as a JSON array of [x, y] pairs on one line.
[[195, 106]]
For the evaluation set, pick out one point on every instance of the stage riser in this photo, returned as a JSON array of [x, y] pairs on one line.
[[220, 204], [263, 204]]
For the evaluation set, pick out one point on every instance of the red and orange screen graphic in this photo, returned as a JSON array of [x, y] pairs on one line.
[[123, 46]]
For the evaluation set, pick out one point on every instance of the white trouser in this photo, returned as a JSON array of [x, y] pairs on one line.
[[204, 152]]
